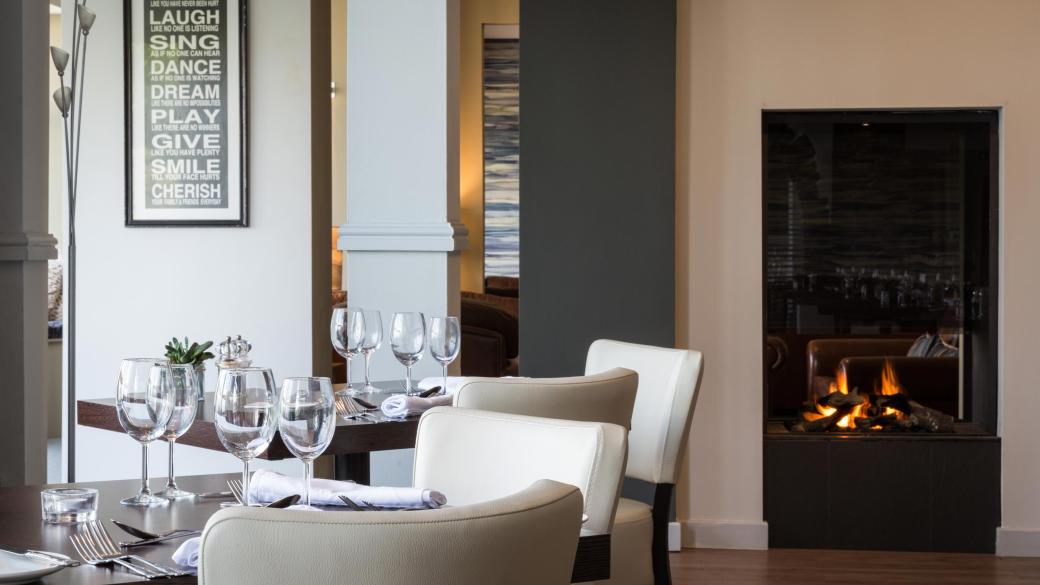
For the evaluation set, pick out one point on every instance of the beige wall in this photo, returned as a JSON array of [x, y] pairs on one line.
[[736, 57], [338, 23], [475, 14]]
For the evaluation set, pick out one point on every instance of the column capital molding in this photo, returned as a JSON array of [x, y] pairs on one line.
[[27, 247], [392, 236]]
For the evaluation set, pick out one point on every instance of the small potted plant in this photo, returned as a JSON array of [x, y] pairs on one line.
[[194, 354]]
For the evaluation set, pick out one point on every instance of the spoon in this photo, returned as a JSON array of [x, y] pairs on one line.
[[144, 534]]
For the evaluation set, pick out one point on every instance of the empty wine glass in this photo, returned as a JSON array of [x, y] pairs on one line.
[[185, 406], [373, 340], [445, 336], [306, 421], [245, 415], [144, 404], [347, 330], [408, 340]]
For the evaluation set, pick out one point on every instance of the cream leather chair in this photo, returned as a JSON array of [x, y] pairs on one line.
[[602, 397], [668, 383], [475, 455], [528, 537]]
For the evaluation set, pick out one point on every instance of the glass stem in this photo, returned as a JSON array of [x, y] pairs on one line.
[[348, 370], [444, 374], [368, 359], [171, 482], [144, 470], [408, 379], [245, 482], [308, 473]]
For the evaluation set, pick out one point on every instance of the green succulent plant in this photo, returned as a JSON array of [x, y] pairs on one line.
[[183, 353]]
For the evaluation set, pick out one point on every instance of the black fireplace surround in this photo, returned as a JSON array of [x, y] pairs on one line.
[[879, 226]]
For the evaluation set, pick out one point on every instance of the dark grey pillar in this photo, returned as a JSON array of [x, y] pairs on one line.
[[597, 178]]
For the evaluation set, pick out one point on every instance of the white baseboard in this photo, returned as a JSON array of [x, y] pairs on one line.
[[674, 537], [725, 534], [1018, 543]]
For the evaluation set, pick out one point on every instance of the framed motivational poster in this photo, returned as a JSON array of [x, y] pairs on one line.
[[185, 112]]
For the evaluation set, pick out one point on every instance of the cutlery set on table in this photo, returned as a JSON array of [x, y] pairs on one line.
[[96, 547]]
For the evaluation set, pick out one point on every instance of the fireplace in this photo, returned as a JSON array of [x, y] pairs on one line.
[[879, 312]]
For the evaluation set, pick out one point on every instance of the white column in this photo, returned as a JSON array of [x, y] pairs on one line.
[[25, 245], [402, 234]]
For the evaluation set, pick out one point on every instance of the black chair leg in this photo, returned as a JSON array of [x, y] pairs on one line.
[[659, 549]]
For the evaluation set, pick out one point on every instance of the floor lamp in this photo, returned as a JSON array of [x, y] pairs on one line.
[[71, 107]]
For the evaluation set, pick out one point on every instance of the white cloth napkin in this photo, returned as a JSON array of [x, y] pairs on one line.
[[453, 383], [268, 486], [400, 406], [187, 554]]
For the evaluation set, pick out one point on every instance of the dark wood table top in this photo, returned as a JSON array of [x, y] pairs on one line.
[[352, 436], [21, 525]]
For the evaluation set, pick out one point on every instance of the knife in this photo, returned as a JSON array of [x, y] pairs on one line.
[[42, 555]]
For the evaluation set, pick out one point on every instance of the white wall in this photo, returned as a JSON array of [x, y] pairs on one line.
[[140, 286], [736, 57]]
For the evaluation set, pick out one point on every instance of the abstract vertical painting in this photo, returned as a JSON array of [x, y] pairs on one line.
[[501, 157]]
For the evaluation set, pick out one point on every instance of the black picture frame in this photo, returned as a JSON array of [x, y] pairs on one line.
[[241, 219]]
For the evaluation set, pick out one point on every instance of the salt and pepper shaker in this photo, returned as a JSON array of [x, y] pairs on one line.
[[234, 353]]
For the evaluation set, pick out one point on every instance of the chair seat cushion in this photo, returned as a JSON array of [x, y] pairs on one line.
[[630, 560]]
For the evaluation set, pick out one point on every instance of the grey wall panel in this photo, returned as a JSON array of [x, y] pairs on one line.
[[597, 178]]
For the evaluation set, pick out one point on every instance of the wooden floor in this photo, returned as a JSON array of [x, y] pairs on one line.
[[832, 567]]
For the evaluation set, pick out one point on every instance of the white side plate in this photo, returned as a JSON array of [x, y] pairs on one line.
[[16, 569]]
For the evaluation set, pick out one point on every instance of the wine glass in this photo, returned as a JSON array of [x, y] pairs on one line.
[[306, 421], [445, 335], [347, 330], [373, 340], [144, 404], [245, 415], [185, 406], [408, 340]]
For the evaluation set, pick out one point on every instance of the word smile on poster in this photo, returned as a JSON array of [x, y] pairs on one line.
[[185, 107]]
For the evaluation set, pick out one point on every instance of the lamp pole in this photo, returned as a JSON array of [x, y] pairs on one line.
[[71, 107]]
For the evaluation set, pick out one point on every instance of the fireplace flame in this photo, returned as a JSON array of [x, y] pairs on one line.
[[889, 386]]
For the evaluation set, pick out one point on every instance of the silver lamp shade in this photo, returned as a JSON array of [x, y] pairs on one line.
[[86, 18], [63, 99], [60, 58]]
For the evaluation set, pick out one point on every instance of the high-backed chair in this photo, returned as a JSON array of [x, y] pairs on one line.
[[603, 397], [668, 383], [527, 537], [475, 455]]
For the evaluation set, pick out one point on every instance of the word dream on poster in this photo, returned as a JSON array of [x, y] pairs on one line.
[[185, 95]]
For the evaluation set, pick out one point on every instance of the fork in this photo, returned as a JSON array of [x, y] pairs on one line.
[[348, 409], [235, 485], [96, 547]]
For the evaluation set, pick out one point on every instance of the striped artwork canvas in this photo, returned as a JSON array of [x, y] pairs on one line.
[[501, 157]]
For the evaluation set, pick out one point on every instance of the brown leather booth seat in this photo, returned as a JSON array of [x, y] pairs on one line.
[[932, 381], [490, 337]]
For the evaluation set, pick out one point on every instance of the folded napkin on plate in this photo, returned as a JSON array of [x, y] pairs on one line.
[[450, 386], [268, 486], [187, 554], [400, 406], [395, 497]]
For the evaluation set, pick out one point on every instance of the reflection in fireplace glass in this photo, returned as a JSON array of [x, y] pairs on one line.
[[877, 244]]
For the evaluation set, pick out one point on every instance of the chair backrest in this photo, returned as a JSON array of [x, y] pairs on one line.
[[668, 382], [476, 455], [604, 397], [527, 537]]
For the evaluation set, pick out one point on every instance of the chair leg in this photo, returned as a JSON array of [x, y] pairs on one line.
[[659, 549]]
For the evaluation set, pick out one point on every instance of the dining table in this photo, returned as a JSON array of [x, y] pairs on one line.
[[351, 444], [21, 526]]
